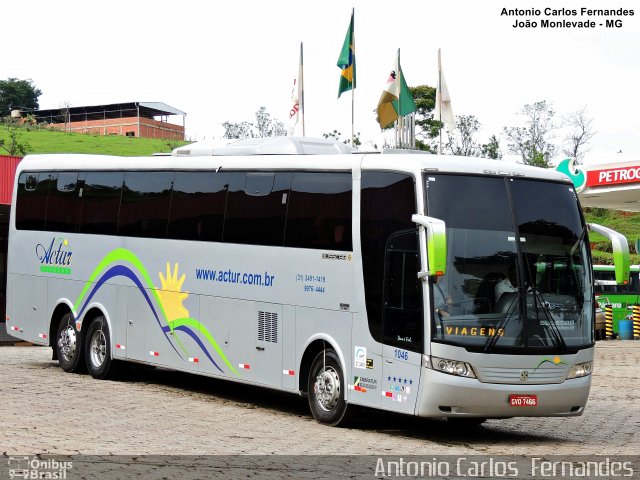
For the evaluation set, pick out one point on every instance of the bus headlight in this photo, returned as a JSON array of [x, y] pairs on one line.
[[580, 370], [452, 367]]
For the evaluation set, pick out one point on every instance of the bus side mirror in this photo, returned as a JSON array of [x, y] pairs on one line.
[[621, 260], [435, 250]]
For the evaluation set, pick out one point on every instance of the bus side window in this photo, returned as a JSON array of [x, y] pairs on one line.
[[144, 209], [319, 214], [256, 208], [403, 319], [101, 202], [63, 206], [31, 208], [198, 202], [387, 202]]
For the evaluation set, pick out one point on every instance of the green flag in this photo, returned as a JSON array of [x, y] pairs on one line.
[[347, 62], [405, 105], [396, 99]]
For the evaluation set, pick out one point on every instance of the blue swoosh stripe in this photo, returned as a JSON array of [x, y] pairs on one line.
[[193, 335], [124, 271]]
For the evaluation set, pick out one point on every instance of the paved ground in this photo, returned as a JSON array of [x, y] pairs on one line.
[[181, 420], [46, 411]]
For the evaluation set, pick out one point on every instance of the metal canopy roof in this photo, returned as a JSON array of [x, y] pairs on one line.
[[114, 110]]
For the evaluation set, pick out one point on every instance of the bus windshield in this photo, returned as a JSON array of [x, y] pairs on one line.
[[518, 277]]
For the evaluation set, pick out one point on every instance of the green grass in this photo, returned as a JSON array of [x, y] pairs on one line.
[[626, 223], [42, 140]]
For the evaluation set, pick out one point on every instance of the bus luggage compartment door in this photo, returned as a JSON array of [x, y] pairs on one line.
[[29, 320]]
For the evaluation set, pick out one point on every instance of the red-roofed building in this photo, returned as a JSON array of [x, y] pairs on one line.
[[132, 119]]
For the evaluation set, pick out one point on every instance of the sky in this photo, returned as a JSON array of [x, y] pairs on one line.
[[221, 61]]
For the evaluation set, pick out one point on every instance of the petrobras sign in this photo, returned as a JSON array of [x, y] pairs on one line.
[[601, 177], [613, 176]]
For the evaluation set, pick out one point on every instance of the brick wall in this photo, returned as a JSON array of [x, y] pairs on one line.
[[128, 126]]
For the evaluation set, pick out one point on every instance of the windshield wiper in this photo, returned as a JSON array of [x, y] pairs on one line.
[[547, 313], [578, 241]]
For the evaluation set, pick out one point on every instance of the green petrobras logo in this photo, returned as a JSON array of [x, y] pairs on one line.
[[574, 172]]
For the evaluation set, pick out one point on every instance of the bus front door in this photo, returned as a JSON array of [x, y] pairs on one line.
[[402, 322]]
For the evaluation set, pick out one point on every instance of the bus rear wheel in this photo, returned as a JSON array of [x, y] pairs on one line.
[[326, 389], [69, 345], [98, 349]]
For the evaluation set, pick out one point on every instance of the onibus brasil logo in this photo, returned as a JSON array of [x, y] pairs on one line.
[[55, 257]]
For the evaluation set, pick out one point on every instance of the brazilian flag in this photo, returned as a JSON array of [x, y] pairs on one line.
[[347, 62]]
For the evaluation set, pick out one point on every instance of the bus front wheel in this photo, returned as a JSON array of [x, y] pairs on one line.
[[326, 389], [98, 349], [69, 345]]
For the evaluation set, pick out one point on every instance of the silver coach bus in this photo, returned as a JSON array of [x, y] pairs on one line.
[[422, 284]]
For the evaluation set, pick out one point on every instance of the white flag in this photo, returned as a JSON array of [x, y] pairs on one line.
[[297, 102], [294, 112], [444, 111]]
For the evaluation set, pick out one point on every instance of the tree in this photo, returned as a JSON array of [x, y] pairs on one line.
[[265, 126], [427, 127], [14, 146], [336, 136], [491, 149], [65, 108], [532, 142], [18, 95], [461, 141], [238, 130], [581, 131]]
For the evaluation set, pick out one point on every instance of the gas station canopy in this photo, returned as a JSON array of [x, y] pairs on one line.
[[614, 186]]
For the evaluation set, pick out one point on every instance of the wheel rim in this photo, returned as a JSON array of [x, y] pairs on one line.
[[327, 388], [67, 342], [98, 348]]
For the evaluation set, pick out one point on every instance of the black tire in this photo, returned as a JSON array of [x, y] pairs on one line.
[[98, 349], [326, 387], [69, 346]]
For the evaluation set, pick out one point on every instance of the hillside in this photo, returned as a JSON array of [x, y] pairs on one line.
[[41, 140], [627, 223]]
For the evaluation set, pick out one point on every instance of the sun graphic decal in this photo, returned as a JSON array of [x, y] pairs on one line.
[[171, 294], [166, 304], [557, 361]]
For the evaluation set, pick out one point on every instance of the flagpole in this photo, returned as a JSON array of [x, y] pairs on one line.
[[301, 86], [353, 136], [353, 79], [439, 104], [400, 122]]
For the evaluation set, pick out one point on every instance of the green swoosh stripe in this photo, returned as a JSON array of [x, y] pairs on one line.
[[119, 255], [551, 362], [193, 323]]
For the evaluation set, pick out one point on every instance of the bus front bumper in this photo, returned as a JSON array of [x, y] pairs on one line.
[[443, 395]]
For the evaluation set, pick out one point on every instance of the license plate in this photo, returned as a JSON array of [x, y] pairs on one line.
[[523, 400]]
